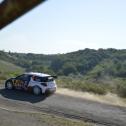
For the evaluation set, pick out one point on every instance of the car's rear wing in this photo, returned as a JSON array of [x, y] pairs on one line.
[[54, 76]]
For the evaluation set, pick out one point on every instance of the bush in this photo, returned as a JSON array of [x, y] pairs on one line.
[[121, 89], [95, 88], [81, 85], [3, 77]]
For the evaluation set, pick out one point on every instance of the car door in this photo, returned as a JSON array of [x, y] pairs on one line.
[[21, 82]]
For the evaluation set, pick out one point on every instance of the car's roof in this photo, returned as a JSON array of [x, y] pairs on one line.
[[38, 74]]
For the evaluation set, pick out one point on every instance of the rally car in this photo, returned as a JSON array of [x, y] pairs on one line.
[[38, 83]]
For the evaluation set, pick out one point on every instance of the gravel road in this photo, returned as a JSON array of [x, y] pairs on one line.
[[61, 105]]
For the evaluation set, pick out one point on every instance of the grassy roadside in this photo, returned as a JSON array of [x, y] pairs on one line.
[[52, 120], [37, 119], [80, 84], [109, 98], [100, 87]]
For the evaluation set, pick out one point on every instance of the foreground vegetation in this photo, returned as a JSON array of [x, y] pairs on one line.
[[52, 120], [98, 71], [37, 119], [102, 87], [81, 84]]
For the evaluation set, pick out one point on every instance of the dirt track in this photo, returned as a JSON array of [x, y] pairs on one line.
[[62, 105]]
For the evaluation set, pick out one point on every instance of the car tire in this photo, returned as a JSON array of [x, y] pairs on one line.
[[36, 90], [9, 85]]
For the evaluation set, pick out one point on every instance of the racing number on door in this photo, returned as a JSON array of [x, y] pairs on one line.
[[19, 84]]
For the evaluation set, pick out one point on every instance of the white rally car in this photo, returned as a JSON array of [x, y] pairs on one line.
[[38, 83]]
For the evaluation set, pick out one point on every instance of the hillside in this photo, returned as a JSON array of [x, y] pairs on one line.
[[97, 71], [110, 62], [8, 69]]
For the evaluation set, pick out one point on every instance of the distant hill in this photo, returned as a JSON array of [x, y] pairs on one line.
[[98, 71], [90, 62]]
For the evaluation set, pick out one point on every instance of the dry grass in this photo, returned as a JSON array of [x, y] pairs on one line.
[[14, 118], [109, 98]]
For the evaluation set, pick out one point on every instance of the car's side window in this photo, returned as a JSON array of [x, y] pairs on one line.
[[22, 77], [41, 79], [19, 77], [44, 79], [38, 79]]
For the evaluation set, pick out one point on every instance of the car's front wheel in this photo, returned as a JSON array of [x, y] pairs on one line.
[[36, 90], [9, 85]]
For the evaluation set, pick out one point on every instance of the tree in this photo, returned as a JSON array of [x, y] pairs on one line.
[[69, 69]]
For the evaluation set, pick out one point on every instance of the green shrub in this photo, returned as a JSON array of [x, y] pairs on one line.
[[3, 77], [121, 89], [81, 85], [95, 88]]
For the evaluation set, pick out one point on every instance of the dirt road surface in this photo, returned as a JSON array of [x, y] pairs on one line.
[[64, 106]]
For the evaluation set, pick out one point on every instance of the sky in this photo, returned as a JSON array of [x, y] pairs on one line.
[[1, 1], [61, 26]]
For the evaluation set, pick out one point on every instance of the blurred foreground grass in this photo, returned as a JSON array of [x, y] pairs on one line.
[[13, 118]]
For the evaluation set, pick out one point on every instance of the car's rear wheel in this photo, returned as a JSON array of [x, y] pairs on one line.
[[9, 85], [36, 90]]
